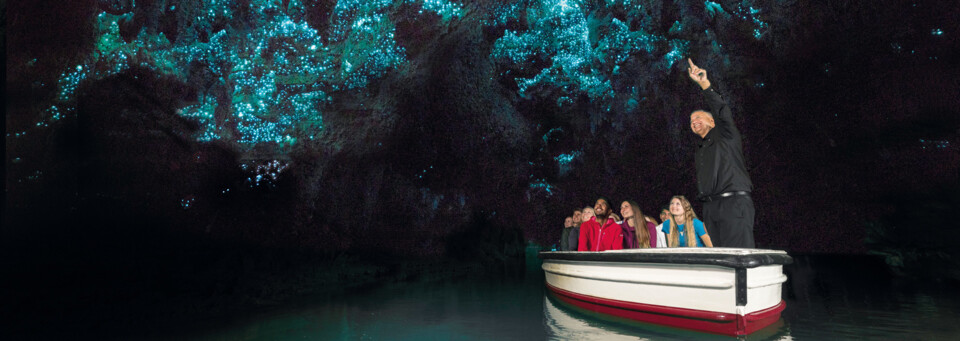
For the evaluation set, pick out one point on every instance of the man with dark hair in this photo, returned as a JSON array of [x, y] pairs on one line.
[[602, 233], [723, 184], [662, 237]]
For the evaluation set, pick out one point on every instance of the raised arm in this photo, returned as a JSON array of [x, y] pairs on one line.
[[718, 106]]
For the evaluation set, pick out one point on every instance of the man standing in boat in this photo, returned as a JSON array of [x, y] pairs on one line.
[[601, 233], [723, 184]]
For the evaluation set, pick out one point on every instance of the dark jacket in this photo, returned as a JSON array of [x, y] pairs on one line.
[[719, 159], [574, 239]]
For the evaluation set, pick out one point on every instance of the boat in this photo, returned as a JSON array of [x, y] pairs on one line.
[[727, 291]]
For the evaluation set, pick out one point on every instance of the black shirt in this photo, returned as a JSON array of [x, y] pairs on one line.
[[719, 158]]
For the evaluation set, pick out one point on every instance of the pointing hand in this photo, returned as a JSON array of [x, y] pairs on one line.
[[698, 75]]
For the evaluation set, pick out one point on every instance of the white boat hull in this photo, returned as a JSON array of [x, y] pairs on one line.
[[718, 290]]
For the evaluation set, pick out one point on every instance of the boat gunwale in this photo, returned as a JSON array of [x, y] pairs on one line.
[[748, 260]]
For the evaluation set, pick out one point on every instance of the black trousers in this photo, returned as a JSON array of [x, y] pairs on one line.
[[729, 221]]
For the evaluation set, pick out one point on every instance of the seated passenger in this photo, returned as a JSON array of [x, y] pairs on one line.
[[600, 233], [585, 215], [633, 237], [683, 223], [662, 237], [565, 235]]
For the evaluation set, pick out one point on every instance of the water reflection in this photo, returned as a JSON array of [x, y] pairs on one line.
[[485, 307], [856, 298], [828, 298], [567, 322], [561, 324]]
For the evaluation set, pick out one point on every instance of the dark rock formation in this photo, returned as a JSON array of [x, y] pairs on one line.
[[346, 127]]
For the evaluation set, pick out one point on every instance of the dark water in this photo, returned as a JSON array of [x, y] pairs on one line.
[[828, 298]]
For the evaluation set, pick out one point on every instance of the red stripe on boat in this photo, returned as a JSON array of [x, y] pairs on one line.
[[700, 320]]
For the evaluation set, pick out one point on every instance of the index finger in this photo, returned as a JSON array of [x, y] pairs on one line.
[[690, 60]]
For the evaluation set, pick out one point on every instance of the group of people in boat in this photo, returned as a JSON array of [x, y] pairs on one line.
[[723, 187], [600, 228]]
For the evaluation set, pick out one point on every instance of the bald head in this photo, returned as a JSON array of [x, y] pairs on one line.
[[701, 122]]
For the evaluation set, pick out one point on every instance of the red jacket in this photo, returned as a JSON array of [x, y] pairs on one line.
[[593, 237]]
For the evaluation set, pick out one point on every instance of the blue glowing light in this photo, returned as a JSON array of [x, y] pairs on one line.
[[560, 32], [713, 8], [678, 49], [185, 203], [34, 176], [264, 173], [676, 28], [583, 52], [936, 144], [541, 185], [546, 137], [279, 71], [445, 9], [565, 159], [749, 13], [752, 14]]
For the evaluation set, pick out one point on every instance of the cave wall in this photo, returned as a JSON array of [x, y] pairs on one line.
[[397, 126]]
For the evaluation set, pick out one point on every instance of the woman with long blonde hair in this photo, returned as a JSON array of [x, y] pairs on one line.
[[683, 225]]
